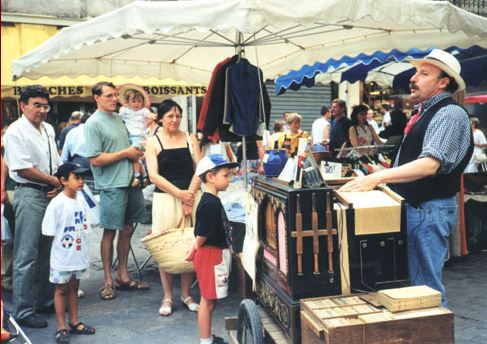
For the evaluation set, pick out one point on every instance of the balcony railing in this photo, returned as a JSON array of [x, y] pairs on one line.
[[475, 6]]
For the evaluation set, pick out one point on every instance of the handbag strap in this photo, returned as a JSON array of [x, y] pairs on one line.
[[50, 154], [182, 221]]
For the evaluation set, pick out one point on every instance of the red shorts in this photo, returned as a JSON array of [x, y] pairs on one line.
[[212, 266]]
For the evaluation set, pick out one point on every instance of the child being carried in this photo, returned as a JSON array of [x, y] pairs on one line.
[[134, 111]]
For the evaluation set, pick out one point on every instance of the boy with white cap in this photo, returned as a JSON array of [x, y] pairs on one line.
[[210, 253], [433, 154]]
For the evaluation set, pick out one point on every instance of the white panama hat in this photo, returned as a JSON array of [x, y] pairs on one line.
[[446, 62]]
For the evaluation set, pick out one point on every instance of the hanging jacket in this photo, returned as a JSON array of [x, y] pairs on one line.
[[214, 115], [221, 66]]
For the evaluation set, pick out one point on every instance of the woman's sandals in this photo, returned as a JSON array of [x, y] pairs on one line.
[[190, 304], [165, 310]]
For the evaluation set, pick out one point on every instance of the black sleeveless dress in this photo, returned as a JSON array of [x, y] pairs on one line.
[[176, 165]]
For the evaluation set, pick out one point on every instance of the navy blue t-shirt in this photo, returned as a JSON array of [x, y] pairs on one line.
[[339, 133], [210, 221]]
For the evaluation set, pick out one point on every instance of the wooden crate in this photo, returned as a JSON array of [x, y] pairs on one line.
[[353, 320], [409, 298]]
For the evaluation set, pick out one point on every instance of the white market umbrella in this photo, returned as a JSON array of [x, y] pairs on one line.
[[184, 40]]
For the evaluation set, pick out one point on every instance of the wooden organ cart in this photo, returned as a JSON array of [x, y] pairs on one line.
[[317, 242]]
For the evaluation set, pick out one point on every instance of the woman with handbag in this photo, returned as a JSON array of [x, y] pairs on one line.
[[479, 141], [171, 155]]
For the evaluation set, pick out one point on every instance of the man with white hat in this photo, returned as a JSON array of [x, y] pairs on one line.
[[435, 150]]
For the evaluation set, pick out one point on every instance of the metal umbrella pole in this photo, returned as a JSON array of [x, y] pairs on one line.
[[239, 50]]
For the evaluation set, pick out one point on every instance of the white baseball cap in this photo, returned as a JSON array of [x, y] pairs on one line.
[[212, 161], [446, 62]]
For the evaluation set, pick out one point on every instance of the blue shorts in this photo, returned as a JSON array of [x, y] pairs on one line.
[[136, 141], [121, 206]]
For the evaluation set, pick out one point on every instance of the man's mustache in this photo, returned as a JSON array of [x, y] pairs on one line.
[[413, 86]]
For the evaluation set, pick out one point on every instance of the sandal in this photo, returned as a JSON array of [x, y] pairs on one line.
[[81, 328], [190, 304], [131, 285], [62, 336], [107, 293], [165, 311]]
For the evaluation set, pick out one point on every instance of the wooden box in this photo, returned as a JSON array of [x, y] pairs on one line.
[[408, 298], [352, 320], [297, 261], [372, 229]]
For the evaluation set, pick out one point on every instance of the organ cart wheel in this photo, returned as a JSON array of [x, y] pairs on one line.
[[249, 326]]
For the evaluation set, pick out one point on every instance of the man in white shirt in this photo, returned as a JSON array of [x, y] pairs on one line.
[[32, 157], [320, 131], [385, 111], [372, 122]]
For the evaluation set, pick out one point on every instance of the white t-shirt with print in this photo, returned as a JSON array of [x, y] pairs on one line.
[[66, 220]]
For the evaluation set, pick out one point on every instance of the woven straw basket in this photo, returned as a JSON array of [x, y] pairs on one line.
[[170, 248]]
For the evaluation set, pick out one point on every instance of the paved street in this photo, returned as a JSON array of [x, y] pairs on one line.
[[132, 317]]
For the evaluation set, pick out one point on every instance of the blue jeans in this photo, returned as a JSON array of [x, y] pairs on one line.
[[429, 227], [32, 250], [318, 148]]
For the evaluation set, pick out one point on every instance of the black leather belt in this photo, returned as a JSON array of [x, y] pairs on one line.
[[43, 188]]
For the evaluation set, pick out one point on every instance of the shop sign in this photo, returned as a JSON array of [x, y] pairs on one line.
[[85, 91]]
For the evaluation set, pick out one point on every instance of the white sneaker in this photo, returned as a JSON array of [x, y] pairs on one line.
[[81, 294]]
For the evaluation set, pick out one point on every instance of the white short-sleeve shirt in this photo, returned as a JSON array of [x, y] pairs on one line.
[[318, 129], [27, 147], [134, 120]]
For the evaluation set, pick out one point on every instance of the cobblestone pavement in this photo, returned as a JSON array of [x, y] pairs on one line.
[[132, 317]]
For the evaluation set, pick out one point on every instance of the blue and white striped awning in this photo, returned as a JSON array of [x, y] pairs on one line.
[[385, 68]]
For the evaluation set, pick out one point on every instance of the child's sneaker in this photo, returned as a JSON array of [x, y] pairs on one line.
[[218, 340], [135, 182], [145, 182]]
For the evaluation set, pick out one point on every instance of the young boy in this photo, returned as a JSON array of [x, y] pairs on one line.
[[210, 254], [65, 219], [134, 111]]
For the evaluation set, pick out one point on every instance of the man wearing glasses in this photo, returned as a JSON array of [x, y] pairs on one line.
[[111, 155], [32, 158]]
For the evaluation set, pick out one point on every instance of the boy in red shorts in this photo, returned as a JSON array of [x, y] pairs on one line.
[[210, 253]]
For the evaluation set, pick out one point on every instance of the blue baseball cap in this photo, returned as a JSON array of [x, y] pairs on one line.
[[212, 161], [70, 167]]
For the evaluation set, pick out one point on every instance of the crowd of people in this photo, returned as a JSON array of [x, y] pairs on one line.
[[52, 222], [50, 245], [334, 129]]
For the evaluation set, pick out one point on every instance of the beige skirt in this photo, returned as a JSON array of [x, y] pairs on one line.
[[167, 210]]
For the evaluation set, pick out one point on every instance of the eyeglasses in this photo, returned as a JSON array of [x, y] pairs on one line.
[[45, 107], [111, 95]]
